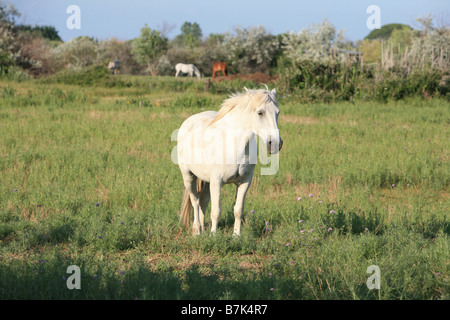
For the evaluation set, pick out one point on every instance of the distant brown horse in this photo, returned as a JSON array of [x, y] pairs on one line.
[[219, 66]]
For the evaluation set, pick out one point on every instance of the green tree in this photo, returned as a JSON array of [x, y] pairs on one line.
[[8, 14], [46, 32], [401, 38], [191, 35], [385, 31], [148, 47], [371, 50]]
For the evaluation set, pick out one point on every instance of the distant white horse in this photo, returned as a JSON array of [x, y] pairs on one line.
[[114, 66], [190, 69], [216, 148]]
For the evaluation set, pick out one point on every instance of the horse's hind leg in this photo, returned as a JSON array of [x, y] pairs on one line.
[[204, 201], [190, 183], [215, 189]]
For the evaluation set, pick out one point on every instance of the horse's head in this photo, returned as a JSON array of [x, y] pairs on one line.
[[263, 120], [197, 73]]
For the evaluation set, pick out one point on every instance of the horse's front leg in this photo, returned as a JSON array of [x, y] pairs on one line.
[[241, 191], [215, 189]]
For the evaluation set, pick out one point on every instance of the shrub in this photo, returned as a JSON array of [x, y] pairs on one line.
[[88, 77], [77, 53], [396, 87], [334, 81]]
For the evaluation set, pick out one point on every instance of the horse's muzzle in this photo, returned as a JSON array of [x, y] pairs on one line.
[[272, 148]]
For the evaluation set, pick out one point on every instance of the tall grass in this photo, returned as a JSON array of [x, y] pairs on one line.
[[87, 179]]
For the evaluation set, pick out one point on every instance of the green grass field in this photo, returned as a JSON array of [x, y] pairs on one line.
[[86, 179]]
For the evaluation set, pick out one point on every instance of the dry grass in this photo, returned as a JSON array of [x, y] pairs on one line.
[[185, 261], [303, 120]]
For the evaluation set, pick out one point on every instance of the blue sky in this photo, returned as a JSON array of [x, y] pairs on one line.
[[104, 19]]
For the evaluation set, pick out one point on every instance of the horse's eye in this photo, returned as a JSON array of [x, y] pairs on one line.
[[260, 113]]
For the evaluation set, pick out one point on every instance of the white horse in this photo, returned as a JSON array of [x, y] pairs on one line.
[[216, 148], [190, 69]]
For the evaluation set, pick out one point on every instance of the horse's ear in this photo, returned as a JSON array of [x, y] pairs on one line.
[[246, 88], [274, 92]]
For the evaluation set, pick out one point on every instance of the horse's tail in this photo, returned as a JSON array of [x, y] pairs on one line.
[[186, 204]]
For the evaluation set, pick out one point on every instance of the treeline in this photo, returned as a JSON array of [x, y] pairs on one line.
[[316, 63]]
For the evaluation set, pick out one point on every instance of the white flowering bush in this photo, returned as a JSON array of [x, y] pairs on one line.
[[250, 50], [430, 48], [317, 43], [77, 53]]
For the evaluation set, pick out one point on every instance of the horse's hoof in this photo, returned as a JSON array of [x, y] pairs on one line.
[[196, 232]]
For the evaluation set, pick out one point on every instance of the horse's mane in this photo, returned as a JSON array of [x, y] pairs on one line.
[[249, 99]]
